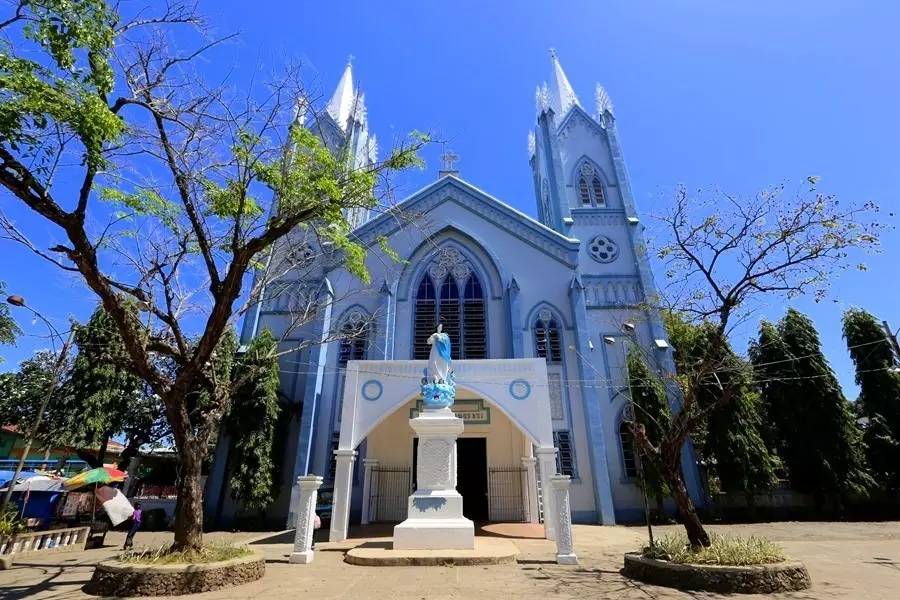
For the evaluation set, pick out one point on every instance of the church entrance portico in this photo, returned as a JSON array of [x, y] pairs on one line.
[[504, 405]]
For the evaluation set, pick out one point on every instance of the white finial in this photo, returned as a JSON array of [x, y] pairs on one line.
[[604, 104], [448, 158], [532, 144], [350, 58], [542, 98]]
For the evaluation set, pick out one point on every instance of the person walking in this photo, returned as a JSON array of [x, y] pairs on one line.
[[135, 525]]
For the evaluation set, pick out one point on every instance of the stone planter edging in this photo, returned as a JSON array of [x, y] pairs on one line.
[[115, 578], [789, 575]]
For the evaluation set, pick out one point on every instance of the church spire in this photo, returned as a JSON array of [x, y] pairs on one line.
[[562, 96], [341, 104]]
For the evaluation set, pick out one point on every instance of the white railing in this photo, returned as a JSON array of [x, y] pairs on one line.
[[73, 538]]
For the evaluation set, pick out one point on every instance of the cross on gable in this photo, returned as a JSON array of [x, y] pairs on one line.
[[449, 158]]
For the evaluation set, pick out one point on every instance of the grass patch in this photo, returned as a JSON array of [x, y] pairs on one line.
[[164, 555], [725, 550]]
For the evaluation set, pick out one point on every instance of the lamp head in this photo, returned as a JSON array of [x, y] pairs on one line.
[[609, 340], [16, 300], [628, 326]]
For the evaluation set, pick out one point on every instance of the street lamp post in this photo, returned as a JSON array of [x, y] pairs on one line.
[[609, 340], [54, 382]]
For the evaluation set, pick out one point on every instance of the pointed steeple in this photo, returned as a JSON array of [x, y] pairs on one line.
[[341, 104], [562, 96]]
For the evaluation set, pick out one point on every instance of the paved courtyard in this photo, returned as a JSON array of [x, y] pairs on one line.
[[846, 560]]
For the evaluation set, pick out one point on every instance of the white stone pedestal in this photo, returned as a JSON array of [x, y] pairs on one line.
[[435, 511], [306, 514]]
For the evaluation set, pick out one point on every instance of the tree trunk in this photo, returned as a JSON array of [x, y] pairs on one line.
[[697, 535], [189, 507], [101, 452]]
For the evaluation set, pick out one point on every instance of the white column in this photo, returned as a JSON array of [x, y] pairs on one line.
[[368, 465], [565, 544], [547, 459], [343, 481], [306, 513], [530, 491]]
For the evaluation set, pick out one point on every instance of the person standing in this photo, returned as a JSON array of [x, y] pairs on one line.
[[135, 525]]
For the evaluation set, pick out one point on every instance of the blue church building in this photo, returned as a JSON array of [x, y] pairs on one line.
[[538, 309]]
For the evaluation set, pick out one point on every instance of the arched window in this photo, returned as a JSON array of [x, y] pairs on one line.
[[597, 189], [354, 339], [457, 303], [590, 186], [546, 338], [629, 457]]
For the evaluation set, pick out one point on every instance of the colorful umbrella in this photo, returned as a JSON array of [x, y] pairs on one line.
[[100, 475]]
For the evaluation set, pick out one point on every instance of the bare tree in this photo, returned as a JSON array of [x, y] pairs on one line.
[[725, 254], [167, 190]]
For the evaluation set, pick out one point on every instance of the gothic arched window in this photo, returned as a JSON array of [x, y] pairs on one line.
[[629, 457], [547, 339], [590, 186], [354, 339], [457, 303]]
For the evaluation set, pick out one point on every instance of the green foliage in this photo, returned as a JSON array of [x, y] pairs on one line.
[[23, 391], [102, 396], [10, 523], [144, 202], [165, 555], [8, 327], [251, 422], [812, 424], [879, 396], [730, 439], [77, 37], [725, 550], [651, 409]]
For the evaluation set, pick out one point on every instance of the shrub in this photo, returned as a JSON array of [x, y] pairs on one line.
[[164, 555], [10, 523], [724, 550]]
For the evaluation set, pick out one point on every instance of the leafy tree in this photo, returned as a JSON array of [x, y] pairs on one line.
[[651, 410], [731, 441], [879, 397], [723, 253], [814, 425], [23, 391], [102, 397], [174, 202], [8, 328], [251, 423]]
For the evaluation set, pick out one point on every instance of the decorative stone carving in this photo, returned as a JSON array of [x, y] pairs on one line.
[[602, 249], [449, 260], [555, 392], [435, 463], [532, 144], [545, 315]]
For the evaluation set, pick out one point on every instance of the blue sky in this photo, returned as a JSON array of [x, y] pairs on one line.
[[738, 95]]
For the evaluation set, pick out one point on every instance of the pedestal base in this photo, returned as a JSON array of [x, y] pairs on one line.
[[302, 558], [435, 534]]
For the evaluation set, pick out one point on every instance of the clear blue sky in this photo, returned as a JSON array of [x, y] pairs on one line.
[[738, 94]]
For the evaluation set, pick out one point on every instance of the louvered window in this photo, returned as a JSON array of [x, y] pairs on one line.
[[597, 188], [474, 334], [425, 319], [463, 318], [565, 455], [629, 458], [584, 191], [547, 340]]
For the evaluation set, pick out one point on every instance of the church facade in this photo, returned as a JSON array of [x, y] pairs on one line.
[[538, 309]]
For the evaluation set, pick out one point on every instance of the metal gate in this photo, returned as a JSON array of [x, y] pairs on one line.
[[506, 489], [389, 489]]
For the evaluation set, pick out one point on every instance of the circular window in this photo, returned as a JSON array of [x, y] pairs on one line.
[[372, 390], [519, 389], [603, 249]]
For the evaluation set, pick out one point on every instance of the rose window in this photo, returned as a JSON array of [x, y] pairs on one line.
[[603, 249]]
